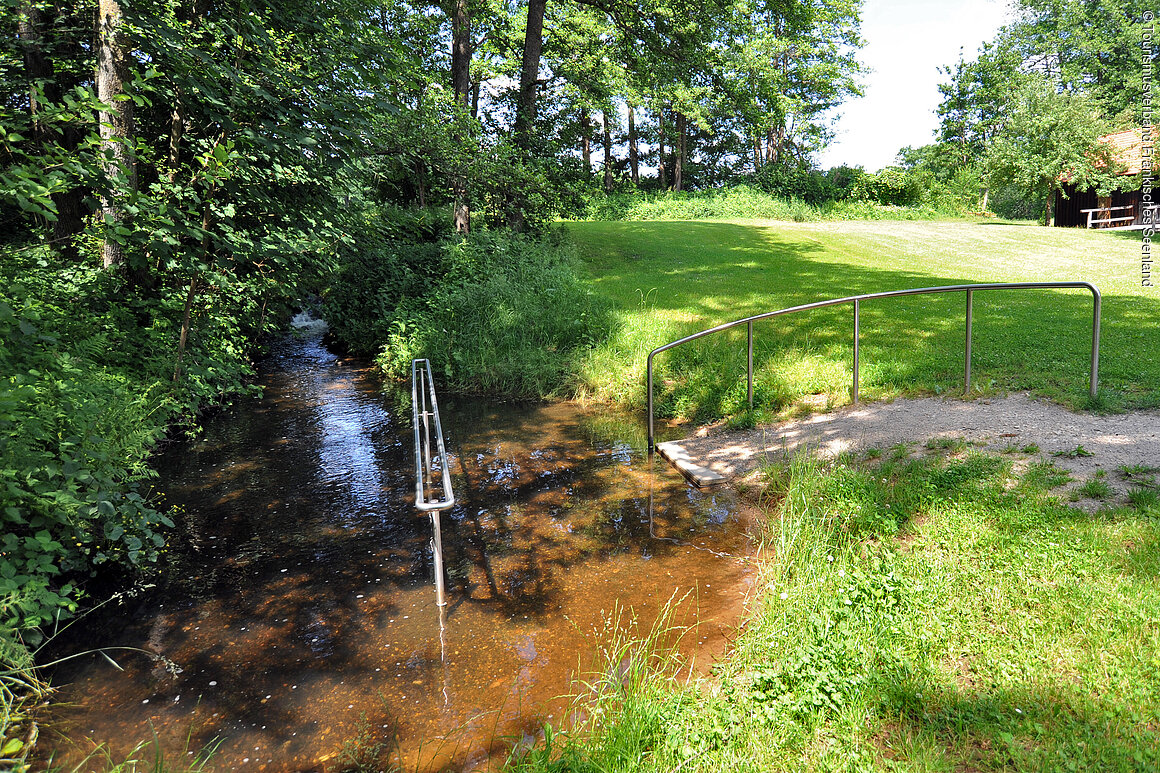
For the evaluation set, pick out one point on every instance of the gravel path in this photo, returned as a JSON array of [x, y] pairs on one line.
[[996, 424]]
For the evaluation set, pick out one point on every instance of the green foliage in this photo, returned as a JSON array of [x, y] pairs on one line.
[[494, 312], [72, 440], [745, 202], [795, 182], [1051, 137], [891, 186]]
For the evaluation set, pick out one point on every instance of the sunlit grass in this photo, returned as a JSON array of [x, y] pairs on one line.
[[670, 279], [916, 614]]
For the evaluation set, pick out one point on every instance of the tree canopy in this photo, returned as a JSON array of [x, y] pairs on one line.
[[1087, 54]]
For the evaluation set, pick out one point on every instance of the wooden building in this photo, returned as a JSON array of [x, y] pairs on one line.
[[1122, 209]]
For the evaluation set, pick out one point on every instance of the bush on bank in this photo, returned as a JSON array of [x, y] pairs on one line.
[[494, 312], [87, 390]]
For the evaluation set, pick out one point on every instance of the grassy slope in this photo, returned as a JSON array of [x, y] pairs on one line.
[[938, 613], [673, 278]]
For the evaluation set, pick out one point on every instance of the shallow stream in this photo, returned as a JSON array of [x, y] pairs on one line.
[[298, 599]]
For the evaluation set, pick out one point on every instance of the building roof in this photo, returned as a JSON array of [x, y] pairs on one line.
[[1127, 148]]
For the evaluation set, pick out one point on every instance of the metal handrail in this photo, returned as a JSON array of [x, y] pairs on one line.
[[857, 300], [422, 391]]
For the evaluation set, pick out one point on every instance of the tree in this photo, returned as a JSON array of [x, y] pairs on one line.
[[1083, 46], [1051, 138], [116, 128]]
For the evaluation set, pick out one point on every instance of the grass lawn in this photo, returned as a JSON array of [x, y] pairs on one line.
[[669, 279], [919, 610]]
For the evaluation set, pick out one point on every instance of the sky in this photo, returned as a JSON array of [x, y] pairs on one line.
[[906, 42]]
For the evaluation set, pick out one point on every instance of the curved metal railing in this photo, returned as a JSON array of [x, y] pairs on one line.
[[857, 300]]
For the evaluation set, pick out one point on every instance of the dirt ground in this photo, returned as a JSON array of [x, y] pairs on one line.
[[1081, 443]]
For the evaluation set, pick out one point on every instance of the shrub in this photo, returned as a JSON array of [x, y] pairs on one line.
[[494, 312], [73, 439], [795, 182], [892, 185], [743, 201]]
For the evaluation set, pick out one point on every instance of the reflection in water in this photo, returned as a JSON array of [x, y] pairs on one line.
[[299, 599]]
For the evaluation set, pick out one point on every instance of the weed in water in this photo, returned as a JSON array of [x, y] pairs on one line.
[[148, 757], [365, 752]]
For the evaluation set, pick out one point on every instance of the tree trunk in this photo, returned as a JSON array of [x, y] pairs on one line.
[[475, 99], [194, 14], [1048, 208], [461, 54], [586, 142], [176, 132], [607, 152], [661, 177], [633, 152], [529, 73], [187, 315], [116, 126], [526, 99], [756, 153], [986, 196], [185, 324], [461, 86], [679, 154], [38, 68]]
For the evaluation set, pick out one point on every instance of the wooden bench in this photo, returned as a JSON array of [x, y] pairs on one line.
[[1106, 222]]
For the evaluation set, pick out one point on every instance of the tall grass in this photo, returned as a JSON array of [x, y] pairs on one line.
[[21, 695]]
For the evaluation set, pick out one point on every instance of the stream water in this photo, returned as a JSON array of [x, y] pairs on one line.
[[298, 599]]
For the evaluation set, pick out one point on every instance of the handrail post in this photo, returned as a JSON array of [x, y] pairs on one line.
[[1093, 386], [437, 551], [970, 316], [749, 368], [651, 437], [854, 389]]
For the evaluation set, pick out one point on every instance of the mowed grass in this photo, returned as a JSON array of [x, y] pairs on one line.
[[938, 612], [670, 279]]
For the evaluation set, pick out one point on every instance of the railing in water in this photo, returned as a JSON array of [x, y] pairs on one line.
[[857, 301], [424, 414]]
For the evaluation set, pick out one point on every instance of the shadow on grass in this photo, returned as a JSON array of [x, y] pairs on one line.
[[1024, 728], [1037, 340]]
